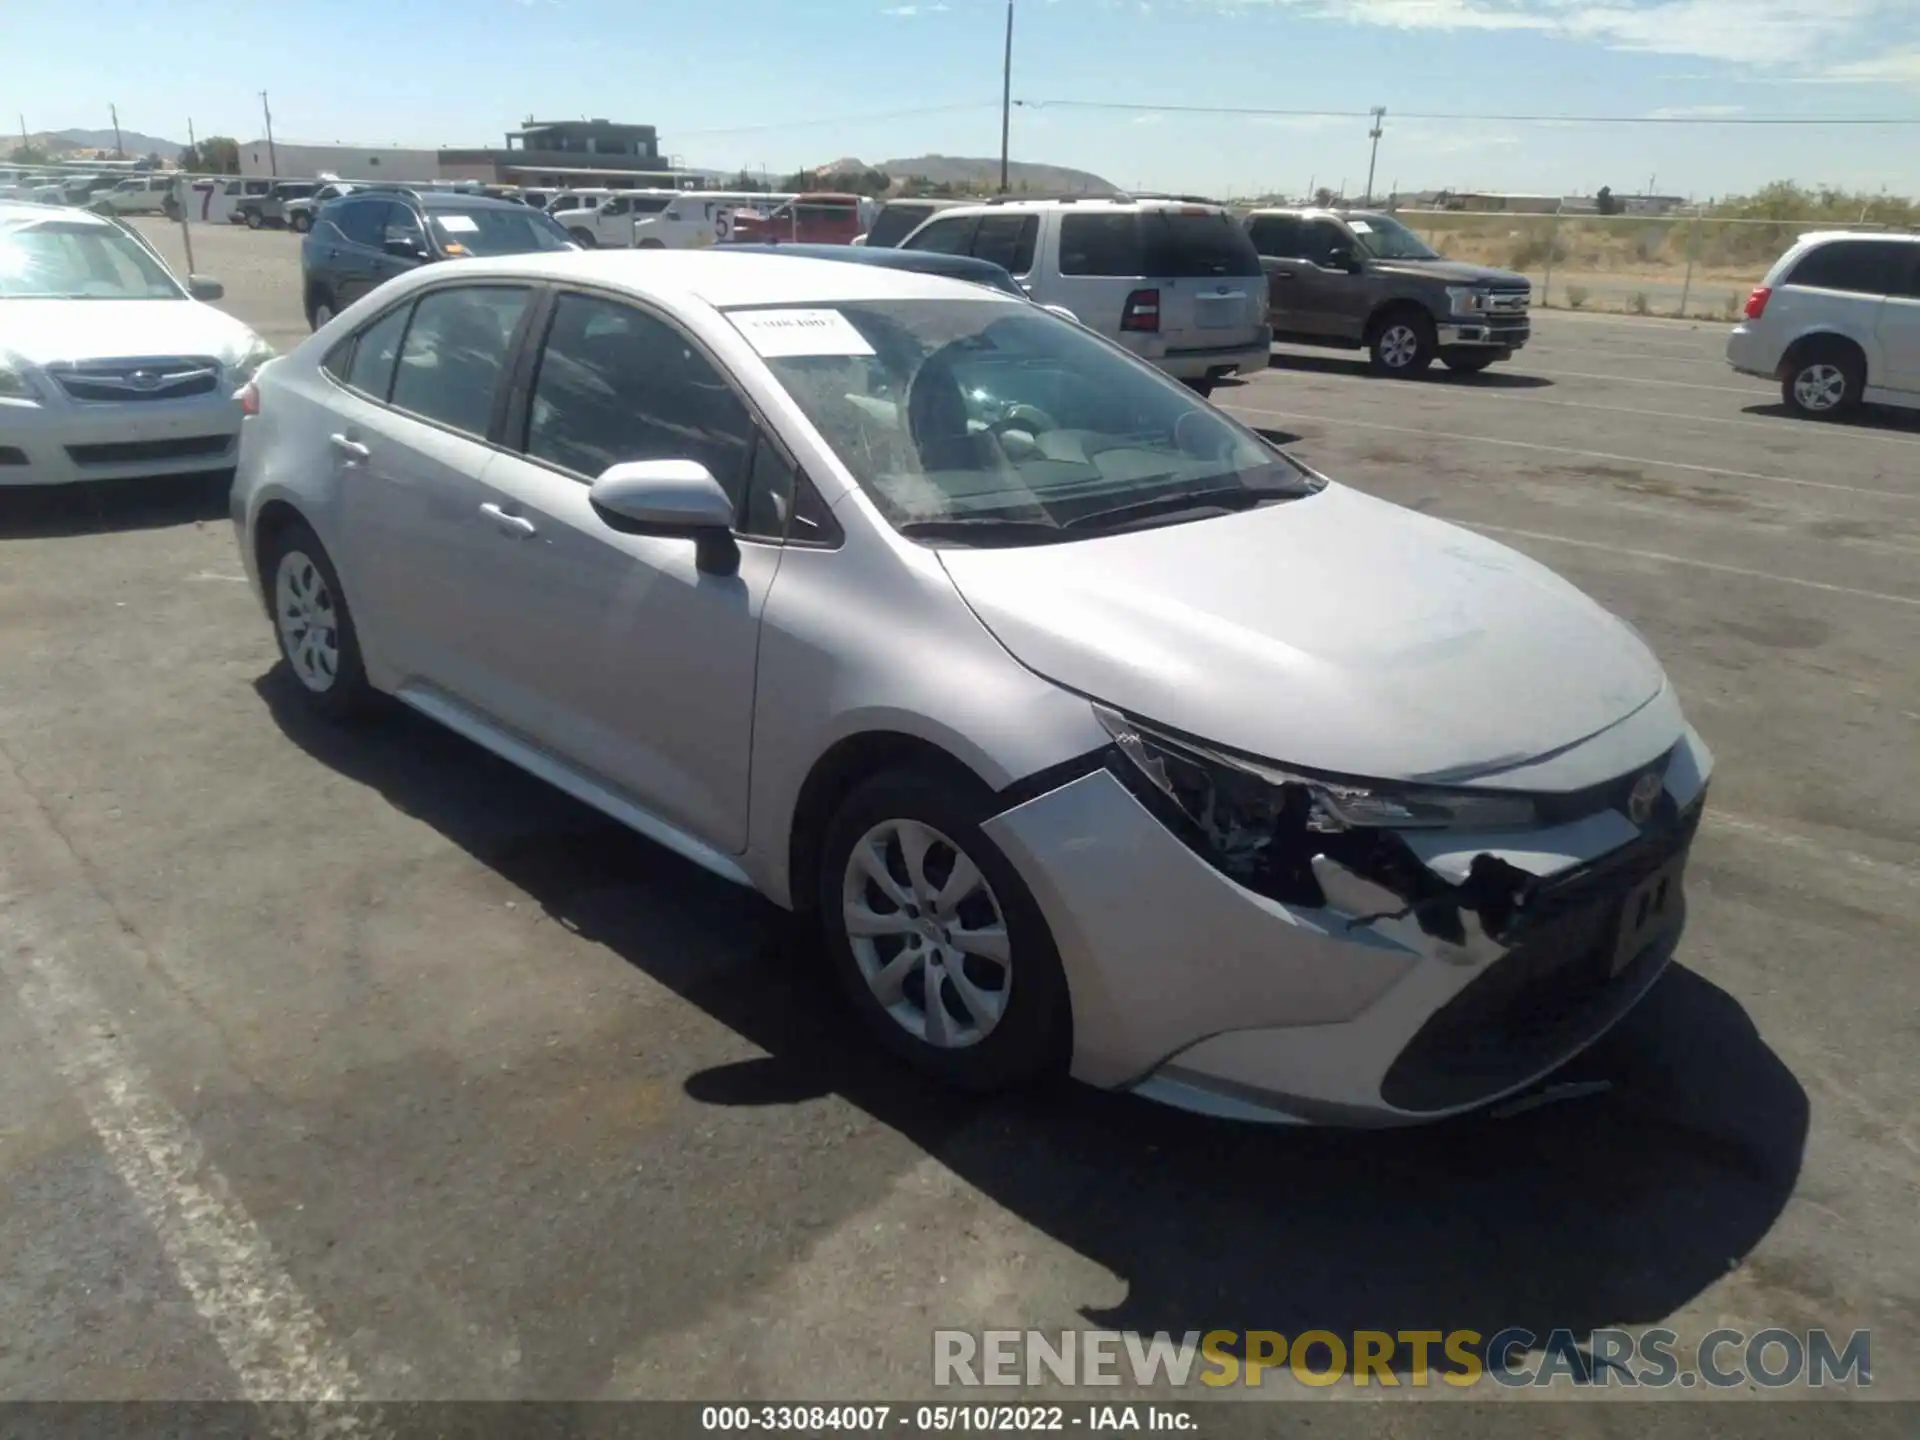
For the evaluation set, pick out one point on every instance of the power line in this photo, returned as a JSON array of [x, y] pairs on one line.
[[1501, 119]]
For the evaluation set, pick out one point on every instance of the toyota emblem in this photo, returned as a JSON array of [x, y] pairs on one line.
[[1645, 795]]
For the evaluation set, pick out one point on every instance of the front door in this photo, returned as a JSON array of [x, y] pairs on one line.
[[1330, 301], [615, 651]]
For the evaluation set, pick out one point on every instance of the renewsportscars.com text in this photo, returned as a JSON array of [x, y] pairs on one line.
[[1718, 1360]]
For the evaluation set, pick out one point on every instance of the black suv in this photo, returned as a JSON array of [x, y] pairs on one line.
[[375, 233]]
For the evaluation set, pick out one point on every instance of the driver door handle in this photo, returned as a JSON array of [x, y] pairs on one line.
[[1280, 274], [517, 526], [350, 450]]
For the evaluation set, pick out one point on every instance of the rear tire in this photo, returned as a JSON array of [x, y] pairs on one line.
[[1823, 381], [988, 1022], [312, 624], [320, 308], [650, 245], [1401, 344]]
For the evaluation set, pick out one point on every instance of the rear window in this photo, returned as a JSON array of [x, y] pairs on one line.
[[896, 222], [1162, 244], [1858, 267]]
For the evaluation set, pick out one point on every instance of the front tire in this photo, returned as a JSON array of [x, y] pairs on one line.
[[1401, 344], [255, 220], [300, 222], [313, 625], [936, 939], [1824, 382], [585, 239]]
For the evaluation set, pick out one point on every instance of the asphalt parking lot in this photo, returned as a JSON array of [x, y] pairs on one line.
[[356, 1063]]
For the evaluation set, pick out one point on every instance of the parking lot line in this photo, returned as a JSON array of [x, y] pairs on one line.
[[1755, 389], [271, 1335], [1567, 450], [1683, 560]]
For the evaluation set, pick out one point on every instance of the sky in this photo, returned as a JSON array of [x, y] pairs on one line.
[[785, 83]]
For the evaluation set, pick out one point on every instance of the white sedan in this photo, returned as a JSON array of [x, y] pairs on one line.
[[110, 366]]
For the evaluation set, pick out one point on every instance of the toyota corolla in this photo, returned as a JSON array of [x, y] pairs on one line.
[[1095, 733]]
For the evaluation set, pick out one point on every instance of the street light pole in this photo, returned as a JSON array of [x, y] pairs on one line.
[[273, 160], [118, 152], [1379, 113], [1006, 100]]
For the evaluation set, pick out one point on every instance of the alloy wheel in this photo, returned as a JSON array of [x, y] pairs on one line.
[[1820, 387], [1398, 345], [928, 934], [309, 624]]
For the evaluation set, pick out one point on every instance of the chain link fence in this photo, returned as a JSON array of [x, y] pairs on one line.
[[1690, 264]]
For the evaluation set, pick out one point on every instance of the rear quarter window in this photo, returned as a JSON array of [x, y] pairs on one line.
[[1157, 244], [1857, 267]]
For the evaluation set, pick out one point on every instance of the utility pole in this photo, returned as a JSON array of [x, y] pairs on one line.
[[1006, 100], [193, 145], [273, 160], [1379, 113], [118, 152], [24, 142]]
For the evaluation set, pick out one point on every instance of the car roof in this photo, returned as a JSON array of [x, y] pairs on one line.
[[1821, 237], [454, 199], [924, 262], [22, 212], [726, 280], [1096, 204]]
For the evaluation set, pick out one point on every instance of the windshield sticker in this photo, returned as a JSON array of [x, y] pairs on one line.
[[457, 224], [778, 334], [1360, 227]]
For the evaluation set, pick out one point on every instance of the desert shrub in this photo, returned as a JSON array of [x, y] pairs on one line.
[[1577, 295], [1639, 304], [1531, 250]]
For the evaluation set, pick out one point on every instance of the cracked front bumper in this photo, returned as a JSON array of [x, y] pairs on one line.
[[1193, 990]]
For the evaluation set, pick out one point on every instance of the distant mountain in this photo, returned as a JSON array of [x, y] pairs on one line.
[[960, 170], [136, 145]]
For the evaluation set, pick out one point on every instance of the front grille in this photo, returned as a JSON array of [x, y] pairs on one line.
[[147, 377], [130, 451], [1550, 993]]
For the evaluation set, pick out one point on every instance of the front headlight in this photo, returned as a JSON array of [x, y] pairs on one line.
[[1241, 804], [14, 382], [257, 353], [1465, 300]]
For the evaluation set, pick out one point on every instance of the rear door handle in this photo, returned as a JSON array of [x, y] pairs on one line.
[[517, 526], [1280, 274], [351, 450]]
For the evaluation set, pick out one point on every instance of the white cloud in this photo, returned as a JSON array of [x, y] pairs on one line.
[[905, 11], [1897, 67], [1788, 33]]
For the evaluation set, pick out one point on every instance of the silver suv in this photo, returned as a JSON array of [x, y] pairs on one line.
[[1178, 284], [1836, 322]]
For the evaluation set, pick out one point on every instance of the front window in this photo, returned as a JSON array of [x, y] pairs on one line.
[[51, 260], [1387, 239], [518, 231], [977, 422]]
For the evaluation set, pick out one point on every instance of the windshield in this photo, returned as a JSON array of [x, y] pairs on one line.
[[982, 422], [497, 232], [51, 260], [1387, 239]]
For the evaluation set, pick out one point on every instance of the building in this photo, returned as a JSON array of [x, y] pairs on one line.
[[543, 153]]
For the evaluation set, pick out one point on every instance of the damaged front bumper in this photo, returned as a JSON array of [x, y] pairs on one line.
[[1403, 998]]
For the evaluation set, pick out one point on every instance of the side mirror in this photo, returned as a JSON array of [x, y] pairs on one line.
[[670, 498], [1342, 257], [205, 287], [405, 249]]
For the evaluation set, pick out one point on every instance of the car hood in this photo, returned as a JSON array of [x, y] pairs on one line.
[[1453, 272], [44, 332], [1336, 632]]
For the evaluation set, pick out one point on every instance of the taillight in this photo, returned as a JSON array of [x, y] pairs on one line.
[[1141, 313], [1757, 301], [249, 397]]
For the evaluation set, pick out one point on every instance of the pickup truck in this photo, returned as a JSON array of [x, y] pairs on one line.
[[1359, 280], [139, 195]]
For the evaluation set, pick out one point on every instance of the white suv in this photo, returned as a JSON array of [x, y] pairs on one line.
[[1836, 322], [1178, 284]]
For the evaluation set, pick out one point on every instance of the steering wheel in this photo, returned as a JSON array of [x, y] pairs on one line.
[[1029, 418]]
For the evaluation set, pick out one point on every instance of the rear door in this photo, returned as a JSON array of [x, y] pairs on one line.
[[947, 235], [1281, 244], [1212, 288], [350, 245], [1839, 287], [1899, 325]]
